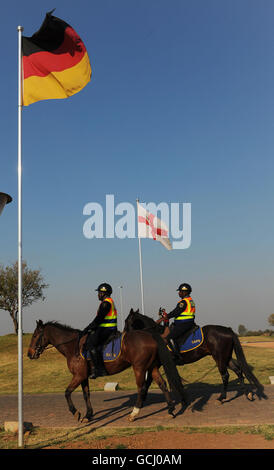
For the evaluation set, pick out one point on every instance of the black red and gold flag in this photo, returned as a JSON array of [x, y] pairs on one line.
[[55, 62]]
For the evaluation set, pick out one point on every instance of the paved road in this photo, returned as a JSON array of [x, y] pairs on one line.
[[113, 408]]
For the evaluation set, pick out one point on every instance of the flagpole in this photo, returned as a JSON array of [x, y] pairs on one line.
[[141, 264], [121, 306], [20, 334]]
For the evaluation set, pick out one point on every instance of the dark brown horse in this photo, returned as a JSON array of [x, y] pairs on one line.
[[219, 342], [145, 353]]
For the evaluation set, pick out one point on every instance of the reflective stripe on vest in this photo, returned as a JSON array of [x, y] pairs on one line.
[[189, 313], [110, 320]]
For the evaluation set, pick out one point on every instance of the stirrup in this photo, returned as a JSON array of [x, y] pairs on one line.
[[102, 372], [174, 347], [97, 373], [92, 371]]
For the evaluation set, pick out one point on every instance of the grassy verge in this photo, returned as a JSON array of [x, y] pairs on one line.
[[49, 374], [41, 438], [256, 339]]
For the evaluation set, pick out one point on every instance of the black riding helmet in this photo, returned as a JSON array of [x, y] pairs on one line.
[[185, 287], [104, 288]]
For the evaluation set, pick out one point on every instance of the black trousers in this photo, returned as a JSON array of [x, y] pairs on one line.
[[180, 328], [98, 337]]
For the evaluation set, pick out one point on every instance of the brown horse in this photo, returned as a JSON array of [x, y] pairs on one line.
[[145, 353], [219, 342]]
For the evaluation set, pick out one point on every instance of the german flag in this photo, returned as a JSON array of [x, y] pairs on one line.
[[55, 62]]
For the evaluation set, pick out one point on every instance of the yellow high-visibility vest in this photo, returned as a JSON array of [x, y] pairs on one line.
[[189, 312], [110, 320]]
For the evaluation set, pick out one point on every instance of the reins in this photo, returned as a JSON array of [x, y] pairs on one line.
[[57, 345]]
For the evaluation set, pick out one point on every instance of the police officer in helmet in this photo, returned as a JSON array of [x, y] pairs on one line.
[[183, 314], [100, 329]]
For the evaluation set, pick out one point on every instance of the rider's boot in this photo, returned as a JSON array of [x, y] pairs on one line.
[[95, 366], [100, 364], [92, 363], [174, 347]]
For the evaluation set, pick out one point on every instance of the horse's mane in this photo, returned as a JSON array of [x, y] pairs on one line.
[[141, 321], [60, 326], [148, 321]]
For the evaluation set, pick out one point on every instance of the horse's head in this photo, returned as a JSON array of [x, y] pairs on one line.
[[38, 341], [134, 321], [137, 321], [128, 320]]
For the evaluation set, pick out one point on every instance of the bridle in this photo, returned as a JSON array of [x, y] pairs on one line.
[[40, 348]]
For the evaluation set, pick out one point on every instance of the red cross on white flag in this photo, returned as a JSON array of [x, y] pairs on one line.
[[150, 226]]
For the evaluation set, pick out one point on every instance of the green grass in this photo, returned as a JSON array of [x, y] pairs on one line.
[[49, 374]]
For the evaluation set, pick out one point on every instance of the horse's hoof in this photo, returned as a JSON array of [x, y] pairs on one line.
[[219, 401], [86, 419], [171, 409], [77, 416], [133, 415], [250, 396]]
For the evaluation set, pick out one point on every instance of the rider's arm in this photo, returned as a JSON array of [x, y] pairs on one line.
[[102, 312], [180, 308]]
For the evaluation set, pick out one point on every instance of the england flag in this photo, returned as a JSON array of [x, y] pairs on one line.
[[150, 226]]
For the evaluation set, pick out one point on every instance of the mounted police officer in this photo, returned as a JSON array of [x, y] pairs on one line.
[[100, 329], [183, 314]]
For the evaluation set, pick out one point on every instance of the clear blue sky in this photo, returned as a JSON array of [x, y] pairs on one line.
[[180, 108]]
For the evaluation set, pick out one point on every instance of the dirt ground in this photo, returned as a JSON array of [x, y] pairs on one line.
[[177, 440]]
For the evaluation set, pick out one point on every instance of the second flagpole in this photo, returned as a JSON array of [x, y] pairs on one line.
[[141, 264], [20, 329]]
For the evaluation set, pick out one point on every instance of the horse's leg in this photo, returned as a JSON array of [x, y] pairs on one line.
[[225, 376], [162, 385], [146, 385], [235, 366], [72, 386], [86, 394], [140, 380]]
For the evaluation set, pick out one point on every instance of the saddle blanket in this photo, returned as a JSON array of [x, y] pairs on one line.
[[193, 341], [111, 350]]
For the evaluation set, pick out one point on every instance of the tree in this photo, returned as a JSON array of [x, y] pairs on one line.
[[242, 330], [32, 289], [271, 319]]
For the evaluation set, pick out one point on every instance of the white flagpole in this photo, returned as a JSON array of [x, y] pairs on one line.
[[141, 265], [20, 332], [121, 306]]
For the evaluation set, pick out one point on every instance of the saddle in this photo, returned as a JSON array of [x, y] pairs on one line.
[[107, 351], [181, 339], [189, 340], [112, 348]]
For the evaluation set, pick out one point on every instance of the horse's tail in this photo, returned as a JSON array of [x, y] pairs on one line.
[[170, 368], [245, 367]]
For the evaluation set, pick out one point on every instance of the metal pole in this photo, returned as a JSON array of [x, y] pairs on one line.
[[20, 333], [141, 265], [121, 306]]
